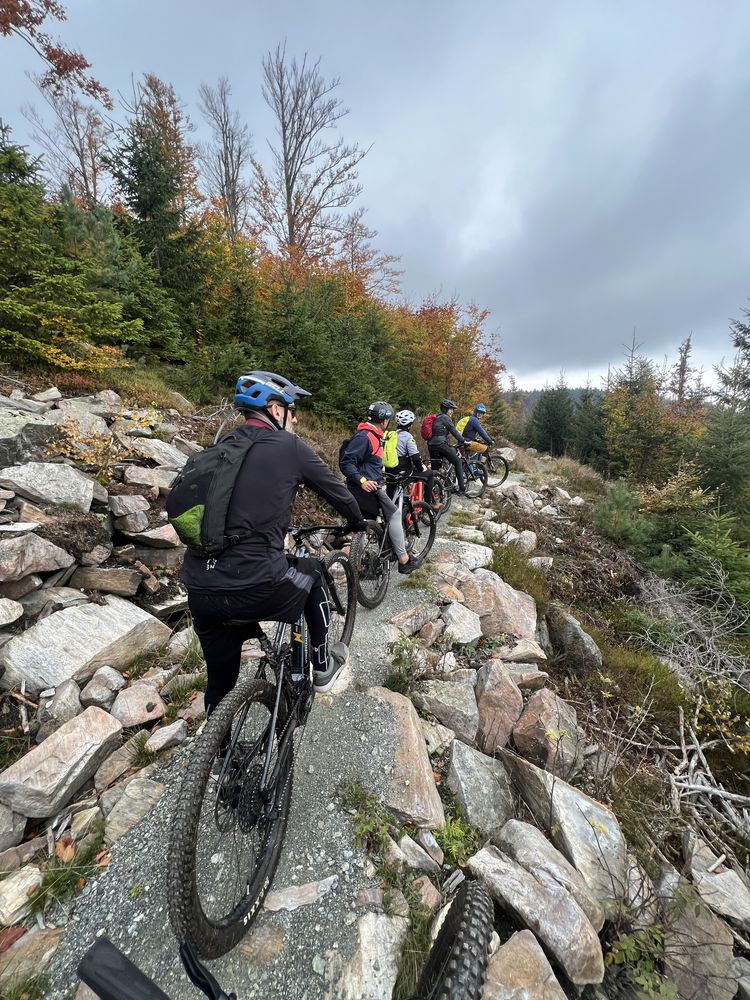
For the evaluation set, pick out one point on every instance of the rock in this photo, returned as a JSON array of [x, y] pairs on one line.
[[76, 641], [526, 676], [97, 555], [482, 788], [295, 896], [452, 704], [569, 639], [502, 532], [541, 562], [526, 542], [159, 538], [47, 777], [371, 973], [412, 794], [104, 404], [262, 944], [427, 842], [49, 483], [183, 643], [417, 857], [462, 625], [518, 495], [722, 889], [411, 621], [195, 710], [13, 589], [103, 687], [431, 632], [137, 801], [500, 704], [14, 858], [15, 904], [550, 912], [20, 557], [547, 734], [584, 830], [12, 827], [530, 848], [697, 944], [137, 705], [29, 957], [140, 476], [428, 894], [473, 535], [118, 762], [126, 503], [742, 968], [450, 593], [524, 651], [161, 452], [10, 611], [167, 736], [64, 705], [470, 555], [30, 512], [82, 426], [519, 970], [117, 580], [23, 436], [132, 524], [84, 822], [509, 454], [437, 737], [463, 675], [186, 447], [640, 895], [48, 395], [52, 599], [500, 608], [578, 502]]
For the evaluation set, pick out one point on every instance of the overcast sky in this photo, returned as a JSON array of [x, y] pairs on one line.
[[580, 168]]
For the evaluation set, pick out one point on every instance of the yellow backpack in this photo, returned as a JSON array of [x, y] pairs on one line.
[[390, 453], [461, 424]]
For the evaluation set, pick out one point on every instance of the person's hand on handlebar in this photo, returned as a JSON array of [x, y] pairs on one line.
[[369, 486]]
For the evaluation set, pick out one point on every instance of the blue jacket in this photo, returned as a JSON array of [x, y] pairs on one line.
[[363, 455], [474, 429]]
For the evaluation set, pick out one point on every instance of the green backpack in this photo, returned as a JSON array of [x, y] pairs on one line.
[[390, 449]]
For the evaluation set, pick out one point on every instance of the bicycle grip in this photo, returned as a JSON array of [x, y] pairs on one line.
[[112, 976]]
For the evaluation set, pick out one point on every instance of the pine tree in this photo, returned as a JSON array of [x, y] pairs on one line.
[[552, 419], [587, 441]]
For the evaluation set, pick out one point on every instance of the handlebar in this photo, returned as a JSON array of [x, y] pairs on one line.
[[299, 532]]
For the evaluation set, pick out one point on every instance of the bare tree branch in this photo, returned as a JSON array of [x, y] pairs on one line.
[[226, 157]]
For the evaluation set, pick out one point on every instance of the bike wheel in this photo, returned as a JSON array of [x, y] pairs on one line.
[[457, 964], [342, 590], [442, 491], [476, 479], [499, 474], [371, 564], [227, 834], [420, 527]]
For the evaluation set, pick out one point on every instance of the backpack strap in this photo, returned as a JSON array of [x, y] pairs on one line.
[[234, 449]]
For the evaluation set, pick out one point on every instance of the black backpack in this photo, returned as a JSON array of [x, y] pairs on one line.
[[198, 502]]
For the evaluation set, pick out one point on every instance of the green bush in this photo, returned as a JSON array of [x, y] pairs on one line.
[[617, 516]]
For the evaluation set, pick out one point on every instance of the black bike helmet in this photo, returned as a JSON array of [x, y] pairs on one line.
[[378, 412], [446, 405]]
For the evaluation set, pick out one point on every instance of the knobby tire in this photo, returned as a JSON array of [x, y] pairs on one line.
[[420, 518], [342, 587], [371, 571]]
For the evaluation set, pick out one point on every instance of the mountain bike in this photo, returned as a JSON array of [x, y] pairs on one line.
[[231, 813], [446, 480], [501, 471], [372, 554]]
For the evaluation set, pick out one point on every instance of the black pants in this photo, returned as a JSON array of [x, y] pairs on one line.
[[221, 620], [444, 450]]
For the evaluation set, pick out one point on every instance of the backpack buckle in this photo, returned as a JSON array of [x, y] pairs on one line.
[[210, 563]]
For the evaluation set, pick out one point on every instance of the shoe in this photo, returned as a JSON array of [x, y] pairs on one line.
[[410, 566], [323, 680]]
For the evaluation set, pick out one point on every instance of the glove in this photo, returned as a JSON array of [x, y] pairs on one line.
[[360, 525]]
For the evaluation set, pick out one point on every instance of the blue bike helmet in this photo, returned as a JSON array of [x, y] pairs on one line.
[[480, 408], [256, 390]]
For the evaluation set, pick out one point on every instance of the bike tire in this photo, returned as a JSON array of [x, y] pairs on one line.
[[502, 472], [445, 494], [476, 479], [342, 588], [208, 934], [372, 572], [457, 964], [420, 528]]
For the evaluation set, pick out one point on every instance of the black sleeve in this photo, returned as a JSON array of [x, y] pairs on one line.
[[452, 430], [316, 474]]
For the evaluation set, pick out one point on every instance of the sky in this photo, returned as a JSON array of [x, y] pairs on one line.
[[579, 169]]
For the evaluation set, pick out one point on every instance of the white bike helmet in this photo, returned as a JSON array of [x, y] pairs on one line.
[[405, 418]]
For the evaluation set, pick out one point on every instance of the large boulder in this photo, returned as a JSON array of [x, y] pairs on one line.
[[482, 789], [571, 641], [23, 436], [584, 830], [452, 704], [547, 734], [519, 970], [161, 452], [547, 910], [21, 557], [411, 794], [140, 476], [697, 944], [76, 641], [500, 705], [46, 778], [462, 625], [49, 483], [10, 611], [105, 403], [529, 847], [82, 423], [500, 608]]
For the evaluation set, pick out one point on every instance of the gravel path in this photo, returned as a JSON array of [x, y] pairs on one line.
[[349, 739]]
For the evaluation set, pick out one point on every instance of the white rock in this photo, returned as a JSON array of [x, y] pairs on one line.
[[14, 894], [371, 972], [12, 827], [295, 896], [20, 557], [417, 857], [46, 482], [482, 789], [462, 625], [168, 736], [138, 799], [10, 611]]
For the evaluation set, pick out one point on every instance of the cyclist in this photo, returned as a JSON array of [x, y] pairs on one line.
[[362, 463], [438, 445], [409, 459], [254, 580], [473, 429]]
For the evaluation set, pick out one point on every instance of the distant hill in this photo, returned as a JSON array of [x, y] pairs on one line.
[[530, 396]]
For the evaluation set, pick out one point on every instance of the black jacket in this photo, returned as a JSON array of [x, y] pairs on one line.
[[442, 427], [261, 504]]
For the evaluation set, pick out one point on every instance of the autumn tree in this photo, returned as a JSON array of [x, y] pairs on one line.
[[375, 271], [227, 156], [74, 143], [66, 68], [299, 198]]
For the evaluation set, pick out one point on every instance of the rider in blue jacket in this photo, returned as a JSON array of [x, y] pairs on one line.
[[474, 430]]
